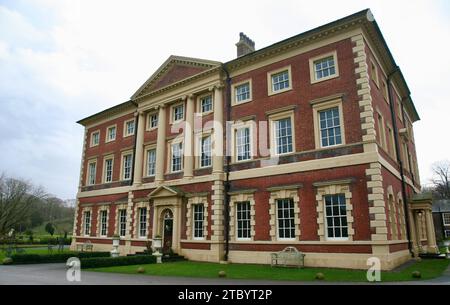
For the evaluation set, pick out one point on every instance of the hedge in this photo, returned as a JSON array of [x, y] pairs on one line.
[[116, 261], [54, 258]]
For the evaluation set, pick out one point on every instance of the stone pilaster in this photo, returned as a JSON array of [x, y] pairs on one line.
[[139, 157], [217, 218], [431, 236], [377, 204], [218, 131], [189, 138], [129, 235], [161, 145]]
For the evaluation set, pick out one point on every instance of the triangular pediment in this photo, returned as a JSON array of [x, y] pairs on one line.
[[174, 69], [165, 191]]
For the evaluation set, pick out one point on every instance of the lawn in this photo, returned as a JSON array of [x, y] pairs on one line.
[[428, 268]]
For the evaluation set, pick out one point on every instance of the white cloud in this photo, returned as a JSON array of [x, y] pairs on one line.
[[63, 60]]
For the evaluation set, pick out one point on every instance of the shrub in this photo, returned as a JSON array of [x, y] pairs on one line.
[[320, 276], [416, 274], [53, 258], [7, 261], [222, 273], [116, 261], [140, 270]]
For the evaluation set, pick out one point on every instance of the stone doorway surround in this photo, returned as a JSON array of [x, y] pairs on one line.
[[167, 198], [420, 213]]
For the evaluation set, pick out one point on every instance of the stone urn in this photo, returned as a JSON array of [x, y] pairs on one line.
[[116, 243]]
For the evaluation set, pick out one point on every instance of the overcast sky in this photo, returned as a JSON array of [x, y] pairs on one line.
[[63, 60]]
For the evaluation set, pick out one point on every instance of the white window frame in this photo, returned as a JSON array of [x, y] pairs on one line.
[[149, 126], [327, 216], [126, 133], [200, 100], [234, 87], [122, 166], [146, 163], [312, 67], [272, 128], [121, 222], [170, 160], [108, 133], [270, 89], [278, 219], [444, 215], [249, 220], [323, 106], [87, 225], [172, 112], [88, 172], [142, 228], [105, 169], [237, 144], [92, 144], [103, 222], [446, 233], [201, 150], [195, 221]]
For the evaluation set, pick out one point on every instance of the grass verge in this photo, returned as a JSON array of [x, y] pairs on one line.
[[428, 268]]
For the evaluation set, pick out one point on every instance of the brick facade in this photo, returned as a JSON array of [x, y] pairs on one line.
[[360, 170]]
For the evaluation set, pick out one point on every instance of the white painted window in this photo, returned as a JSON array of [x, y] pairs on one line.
[[447, 233], [122, 222], [243, 227], [330, 127], [177, 157], [108, 170], [103, 222], [142, 222], [127, 164], [336, 216], [324, 68], [283, 136], [446, 219], [152, 121], [243, 144], [206, 104], [111, 134], [87, 223], [151, 162], [178, 113], [280, 81], [242, 92], [285, 217], [205, 159], [95, 138], [92, 169], [198, 210], [129, 127]]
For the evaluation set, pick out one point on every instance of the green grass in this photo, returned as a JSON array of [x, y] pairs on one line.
[[428, 268], [67, 223], [31, 251]]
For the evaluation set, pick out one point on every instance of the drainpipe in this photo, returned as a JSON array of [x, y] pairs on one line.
[[136, 123], [399, 160], [227, 164]]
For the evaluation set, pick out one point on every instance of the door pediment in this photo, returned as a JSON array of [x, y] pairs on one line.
[[164, 192]]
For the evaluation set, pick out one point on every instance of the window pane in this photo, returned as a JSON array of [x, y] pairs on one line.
[[285, 214], [324, 67], [336, 216], [330, 129]]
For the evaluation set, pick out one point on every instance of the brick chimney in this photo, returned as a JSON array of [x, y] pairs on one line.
[[245, 45]]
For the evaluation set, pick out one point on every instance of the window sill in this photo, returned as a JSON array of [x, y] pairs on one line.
[[271, 93], [316, 81], [241, 102]]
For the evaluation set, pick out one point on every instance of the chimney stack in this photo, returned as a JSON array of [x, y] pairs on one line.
[[245, 45]]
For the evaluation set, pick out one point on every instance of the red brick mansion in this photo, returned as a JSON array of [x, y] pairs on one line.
[[306, 143]]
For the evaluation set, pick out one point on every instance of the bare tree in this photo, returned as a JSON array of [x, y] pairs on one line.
[[16, 199], [441, 177]]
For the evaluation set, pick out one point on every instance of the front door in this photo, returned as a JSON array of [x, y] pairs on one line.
[[168, 231]]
